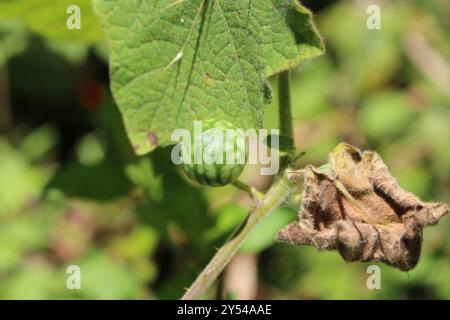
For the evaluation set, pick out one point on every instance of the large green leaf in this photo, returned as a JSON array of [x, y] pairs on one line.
[[48, 18], [176, 61]]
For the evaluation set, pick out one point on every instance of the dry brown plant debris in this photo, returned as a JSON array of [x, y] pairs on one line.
[[356, 207]]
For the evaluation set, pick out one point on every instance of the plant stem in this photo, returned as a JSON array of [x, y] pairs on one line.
[[277, 193], [271, 200], [254, 194], [285, 115], [284, 102]]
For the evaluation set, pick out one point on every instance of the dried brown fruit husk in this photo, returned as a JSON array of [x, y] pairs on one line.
[[356, 207]]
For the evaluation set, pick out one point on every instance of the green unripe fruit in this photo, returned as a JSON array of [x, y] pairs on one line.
[[217, 154]]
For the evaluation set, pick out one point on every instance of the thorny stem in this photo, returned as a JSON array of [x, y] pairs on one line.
[[280, 189]]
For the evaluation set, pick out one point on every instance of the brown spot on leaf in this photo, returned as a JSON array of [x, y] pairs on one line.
[[153, 138], [207, 79], [358, 209]]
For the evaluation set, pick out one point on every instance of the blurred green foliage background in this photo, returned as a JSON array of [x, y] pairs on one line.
[[73, 193]]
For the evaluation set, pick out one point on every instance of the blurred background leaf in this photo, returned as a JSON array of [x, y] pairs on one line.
[[48, 19]]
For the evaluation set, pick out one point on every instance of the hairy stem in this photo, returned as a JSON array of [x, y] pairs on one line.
[[271, 200], [284, 102], [277, 193], [285, 116]]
